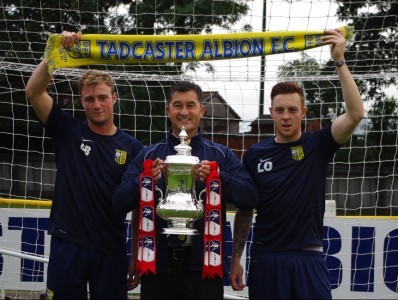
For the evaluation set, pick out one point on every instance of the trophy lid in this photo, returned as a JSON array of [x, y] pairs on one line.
[[183, 155]]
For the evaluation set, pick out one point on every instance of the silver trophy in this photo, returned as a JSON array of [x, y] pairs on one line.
[[180, 206]]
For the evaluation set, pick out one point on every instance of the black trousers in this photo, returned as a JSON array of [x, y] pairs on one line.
[[179, 282]]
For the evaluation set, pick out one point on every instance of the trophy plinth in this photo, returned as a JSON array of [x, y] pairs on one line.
[[180, 205]]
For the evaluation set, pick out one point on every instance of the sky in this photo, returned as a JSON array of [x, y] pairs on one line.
[[237, 80]]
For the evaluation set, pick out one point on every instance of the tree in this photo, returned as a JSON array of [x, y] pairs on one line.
[[382, 136], [373, 52], [24, 26], [373, 48], [380, 142]]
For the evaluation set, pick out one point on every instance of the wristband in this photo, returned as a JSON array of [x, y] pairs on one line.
[[339, 63]]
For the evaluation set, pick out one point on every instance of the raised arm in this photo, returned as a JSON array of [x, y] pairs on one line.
[[36, 91], [36, 88], [344, 125], [242, 224]]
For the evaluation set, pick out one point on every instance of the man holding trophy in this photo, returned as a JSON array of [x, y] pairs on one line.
[[180, 187]]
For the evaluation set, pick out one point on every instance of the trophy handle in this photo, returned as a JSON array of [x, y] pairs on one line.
[[161, 194], [200, 196]]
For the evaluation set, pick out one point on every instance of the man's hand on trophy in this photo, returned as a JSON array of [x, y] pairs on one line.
[[157, 169], [195, 171], [201, 171]]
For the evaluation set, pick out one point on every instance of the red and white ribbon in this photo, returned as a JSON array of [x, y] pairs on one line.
[[213, 225], [146, 254]]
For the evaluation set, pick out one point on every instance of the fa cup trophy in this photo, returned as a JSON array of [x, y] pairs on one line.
[[180, 205]]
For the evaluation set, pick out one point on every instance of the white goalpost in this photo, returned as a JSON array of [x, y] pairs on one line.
[[360, 236]]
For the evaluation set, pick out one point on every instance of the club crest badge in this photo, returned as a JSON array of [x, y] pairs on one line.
[[312, 40], [297, 152], [81, 50], [120, 156]]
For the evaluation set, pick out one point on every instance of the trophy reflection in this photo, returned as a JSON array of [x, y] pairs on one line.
[[180, 205]]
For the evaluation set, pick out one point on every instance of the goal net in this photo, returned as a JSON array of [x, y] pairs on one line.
[[362, 177]]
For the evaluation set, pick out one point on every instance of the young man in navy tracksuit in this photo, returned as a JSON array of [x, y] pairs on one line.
[[88, 242], [290, 169]]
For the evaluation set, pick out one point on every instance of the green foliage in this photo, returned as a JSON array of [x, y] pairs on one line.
[[382, 137], [25, 26], [374, 43], [183, 17], [372, 50]]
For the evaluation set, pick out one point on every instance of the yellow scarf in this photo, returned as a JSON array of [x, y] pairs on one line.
[[144, 49]]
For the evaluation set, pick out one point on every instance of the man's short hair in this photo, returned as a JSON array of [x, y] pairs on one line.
[[186, 86], [287, 87], [95, 77]]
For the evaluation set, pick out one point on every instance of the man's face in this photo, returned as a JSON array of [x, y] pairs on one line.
[[287, 112], [98, 101], [185, 109]]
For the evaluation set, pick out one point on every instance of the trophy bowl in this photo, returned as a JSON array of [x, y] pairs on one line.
[[180, 206]]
